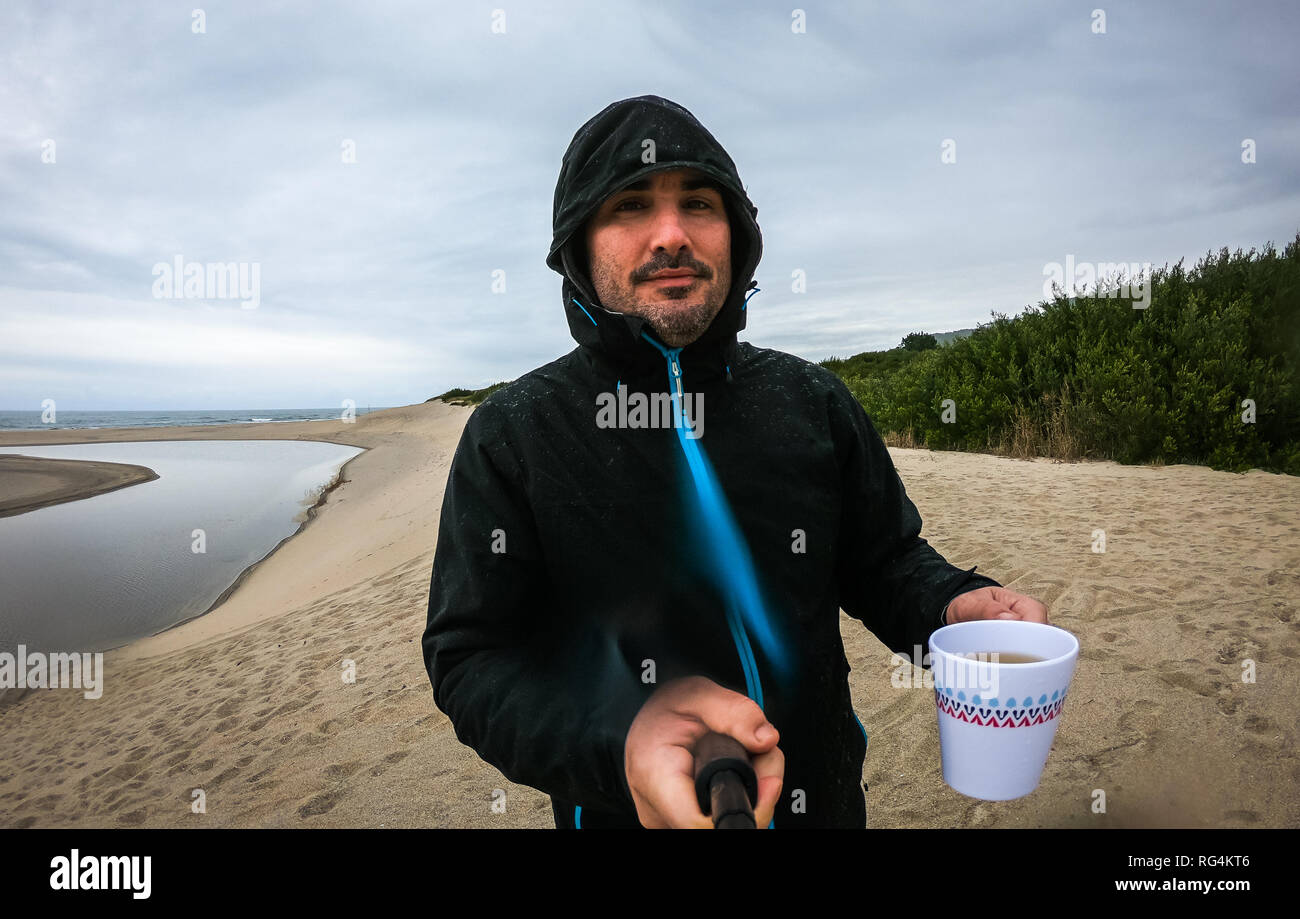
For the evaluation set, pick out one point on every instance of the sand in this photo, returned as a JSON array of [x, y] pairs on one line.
[[29, 483], [1201, 571]]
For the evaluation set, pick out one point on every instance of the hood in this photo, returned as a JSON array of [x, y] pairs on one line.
[[604, 156]]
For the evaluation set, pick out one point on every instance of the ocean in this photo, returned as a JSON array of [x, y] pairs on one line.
[[31, 420]]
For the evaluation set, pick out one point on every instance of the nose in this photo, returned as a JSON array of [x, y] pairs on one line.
[[668, 231]]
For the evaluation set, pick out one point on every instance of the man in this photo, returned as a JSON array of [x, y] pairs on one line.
[[609, 585]]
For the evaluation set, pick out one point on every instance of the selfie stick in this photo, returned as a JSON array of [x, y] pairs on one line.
[[725, 784]]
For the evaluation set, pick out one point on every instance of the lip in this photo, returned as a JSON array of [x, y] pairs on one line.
[[673, 278]]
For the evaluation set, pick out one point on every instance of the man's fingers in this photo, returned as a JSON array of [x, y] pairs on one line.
[[994, 608], [770, 769], [996, 603], [672, 793], [1029, 609], [659, 754], [1008, 604], [646, 814], [729, 713], [1000, 603], [678, 805]]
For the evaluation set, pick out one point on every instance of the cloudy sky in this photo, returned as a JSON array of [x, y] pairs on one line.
[[133, 135]]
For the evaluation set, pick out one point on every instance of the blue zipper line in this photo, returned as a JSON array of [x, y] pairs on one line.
[[584, 309], [714, 511], [577, 817]]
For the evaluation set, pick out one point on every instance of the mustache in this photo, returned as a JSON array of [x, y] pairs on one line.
[[698, 268]]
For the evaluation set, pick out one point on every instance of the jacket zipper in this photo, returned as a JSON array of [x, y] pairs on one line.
[[675, 383], [677, 380]]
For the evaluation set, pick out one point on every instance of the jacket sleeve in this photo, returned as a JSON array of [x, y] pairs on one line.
[[549, 707], [890, 578]]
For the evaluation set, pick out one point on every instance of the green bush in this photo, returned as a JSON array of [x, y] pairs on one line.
[[1092, 376], [468, 396]]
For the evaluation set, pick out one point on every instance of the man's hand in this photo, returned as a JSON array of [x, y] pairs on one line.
[[659, 756], [994, 603]]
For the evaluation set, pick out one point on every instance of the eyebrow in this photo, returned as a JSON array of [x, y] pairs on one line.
[[688, 185]]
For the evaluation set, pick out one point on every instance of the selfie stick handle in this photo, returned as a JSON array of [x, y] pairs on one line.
[[725, 784]]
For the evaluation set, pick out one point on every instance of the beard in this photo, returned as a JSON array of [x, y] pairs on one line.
[[678, 316]]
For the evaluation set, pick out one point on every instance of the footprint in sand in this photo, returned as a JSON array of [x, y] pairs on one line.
[[1142, 718], [320, 804], [340, 771], [1181, 679]]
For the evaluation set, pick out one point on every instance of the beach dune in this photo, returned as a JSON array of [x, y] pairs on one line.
[[302, 699]]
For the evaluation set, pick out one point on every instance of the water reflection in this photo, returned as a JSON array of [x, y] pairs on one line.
[[97, 573]]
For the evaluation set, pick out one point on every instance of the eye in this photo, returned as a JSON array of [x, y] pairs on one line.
[[623, 204]]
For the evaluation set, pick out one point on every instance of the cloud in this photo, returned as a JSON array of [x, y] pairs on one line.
[[229, 146]]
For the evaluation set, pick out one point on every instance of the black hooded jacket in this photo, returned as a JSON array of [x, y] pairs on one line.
[[580, 565]]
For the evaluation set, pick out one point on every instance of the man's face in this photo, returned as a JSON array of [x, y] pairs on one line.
[[669, 221]]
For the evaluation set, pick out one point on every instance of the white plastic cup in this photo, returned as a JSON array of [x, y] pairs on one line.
[[997, 720]]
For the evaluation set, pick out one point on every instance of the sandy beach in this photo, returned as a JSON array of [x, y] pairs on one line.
[[29, 483], [1201, 571]]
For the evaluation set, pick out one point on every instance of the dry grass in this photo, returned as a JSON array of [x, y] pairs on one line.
[[1053, 433], [906, 439]]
